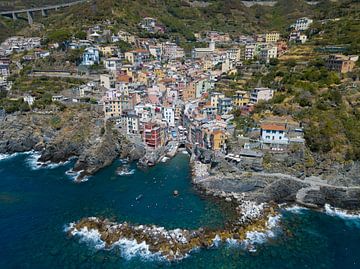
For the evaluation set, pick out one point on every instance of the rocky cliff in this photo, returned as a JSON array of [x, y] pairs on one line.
[[58, 136], [335, 184]]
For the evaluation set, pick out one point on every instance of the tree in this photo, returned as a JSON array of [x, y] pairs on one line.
[[80, 35], [59, 35]]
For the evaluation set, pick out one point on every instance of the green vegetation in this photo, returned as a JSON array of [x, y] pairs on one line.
[[124, 46], [326, 106], [39, 86], [59, 35], [13, 105], [183, 18]]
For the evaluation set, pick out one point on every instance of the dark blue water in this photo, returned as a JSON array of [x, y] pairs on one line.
[[35, 205]]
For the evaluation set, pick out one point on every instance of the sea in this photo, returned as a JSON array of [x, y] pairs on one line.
[[38, 203]]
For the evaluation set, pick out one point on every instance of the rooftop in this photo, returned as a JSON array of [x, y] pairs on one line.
[[273, 127]]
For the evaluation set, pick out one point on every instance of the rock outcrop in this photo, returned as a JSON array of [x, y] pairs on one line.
[[178, 243], [58, 136], [311, 191]]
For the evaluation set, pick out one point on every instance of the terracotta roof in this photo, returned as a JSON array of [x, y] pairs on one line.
[[273, 127]]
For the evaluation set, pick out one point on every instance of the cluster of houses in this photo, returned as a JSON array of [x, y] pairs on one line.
[[298, 29], [157, 94], [19, 44], [156, 102]]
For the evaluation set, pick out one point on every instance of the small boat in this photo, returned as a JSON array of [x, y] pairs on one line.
[[139, 197]]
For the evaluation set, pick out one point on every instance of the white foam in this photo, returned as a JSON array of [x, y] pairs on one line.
[[216, 241], [131, 248], [256, 237], [296, 209], [10, 156], [165, 159], [33, 162], [232, 242], [126, 173], [91, 237], [336, 212], [124, 161], [75, 175]]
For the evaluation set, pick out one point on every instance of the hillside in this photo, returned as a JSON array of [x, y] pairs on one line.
[[182, 18]]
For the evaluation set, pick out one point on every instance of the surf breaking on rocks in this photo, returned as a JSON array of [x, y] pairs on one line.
[[255, 224]]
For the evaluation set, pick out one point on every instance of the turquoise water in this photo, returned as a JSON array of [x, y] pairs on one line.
[[35, 206]]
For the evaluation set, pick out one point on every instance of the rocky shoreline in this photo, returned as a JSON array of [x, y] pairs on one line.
[[264, 187], [253, 219], [59, 136], [83, 134]]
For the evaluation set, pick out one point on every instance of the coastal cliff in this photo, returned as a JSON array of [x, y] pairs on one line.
[[61, 135], [283, 182]]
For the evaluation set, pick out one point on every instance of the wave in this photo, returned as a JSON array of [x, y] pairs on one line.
[[124, 161], [128, 248], [74, 175], [295, 209], [10, 156], [336, 212], [131, 248], [254, 238], [33, 162], [126, 172], [91, 237]]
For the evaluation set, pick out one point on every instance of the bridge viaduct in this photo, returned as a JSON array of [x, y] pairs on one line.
[[30, 12]]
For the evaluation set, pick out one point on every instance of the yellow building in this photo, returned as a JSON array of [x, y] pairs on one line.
[[241, 98], [107, 50], [272, 37], [214, 98], [112, 107], [218, 139]]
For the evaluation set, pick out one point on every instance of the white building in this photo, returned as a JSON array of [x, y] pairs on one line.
[[169, 115], [145, 112], [112, 64], [91, 56], [267, 53], [250, 52], [29, 99], [198, 53], [302, 24], [261, 94], [274, 134], [297, 37], [131, 122], [107, 81], [172, 51]]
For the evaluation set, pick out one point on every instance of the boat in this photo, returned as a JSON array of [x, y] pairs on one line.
[[139, 197]]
